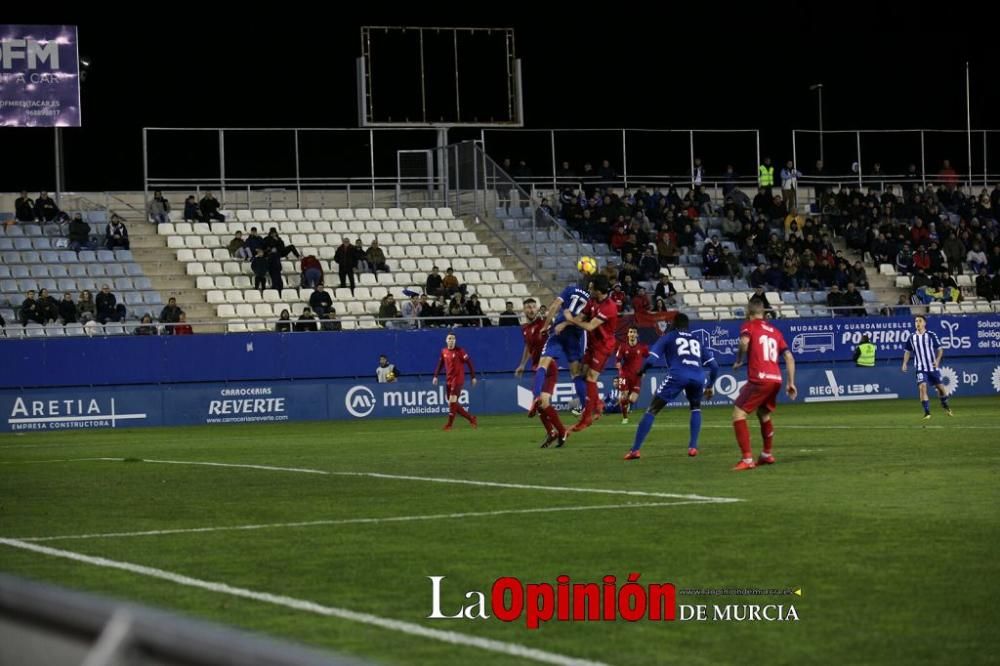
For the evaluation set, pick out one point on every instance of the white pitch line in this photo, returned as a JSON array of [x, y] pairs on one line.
[[431, 479], [451, 637], [362, 521]]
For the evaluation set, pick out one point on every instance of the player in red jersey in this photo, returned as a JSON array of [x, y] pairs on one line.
[[535, 333], [762, 344], [454, 359], [631, 355], [600, 320]]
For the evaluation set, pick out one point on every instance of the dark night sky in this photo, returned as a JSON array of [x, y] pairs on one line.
[[668, 67]]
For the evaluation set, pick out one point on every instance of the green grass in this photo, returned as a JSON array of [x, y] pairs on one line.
[[890, 529]]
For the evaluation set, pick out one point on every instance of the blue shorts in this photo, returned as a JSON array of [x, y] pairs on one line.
[[932, 377], [671, 387], [567, 347]]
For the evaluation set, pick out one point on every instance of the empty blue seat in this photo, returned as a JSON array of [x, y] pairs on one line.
[[32, 230], [14, 230], [122, 284], [41, 243], [49, 257], [152, 298], [19, 271], [789, 297], [143, 283], [8, 286], [96, 216], [710, 285], [47, 283], [55, 331], [52, 230], [123, 255], [114, 270], [77, 270], [819, 297], [67, 257], [96, 270], [131, 297], [74, 329], [868, 296], [87, 256], [4, 271], [57, 271], [725, 285], [105, 256], [22, 243], [741, 285], [38, 271], [6, 243], [132, 268], [67, 284], [30, 258]]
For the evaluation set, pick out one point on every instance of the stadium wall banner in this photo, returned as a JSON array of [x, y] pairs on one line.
[[39, 76], [308, 356], [60, 409]]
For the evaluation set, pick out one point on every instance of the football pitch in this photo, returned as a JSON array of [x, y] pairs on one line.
[[327, 532]]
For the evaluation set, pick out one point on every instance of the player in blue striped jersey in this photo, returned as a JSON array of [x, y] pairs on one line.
[[926, 350], [686, 360]]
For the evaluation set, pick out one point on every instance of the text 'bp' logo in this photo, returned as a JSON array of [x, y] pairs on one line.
[[360, 401]]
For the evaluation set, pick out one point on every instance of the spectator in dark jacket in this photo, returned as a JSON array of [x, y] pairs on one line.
[[115, 234], [853, 297], [108, 308], [254, 242], [259, 265], [146, 326], [274, 270], [209, 206], [284, 324], [24, 208], [67, 309], [30, 310], [345, 258], [306, 322], [508, 317], [320, 300], [45, 208], [48, 307], [274, 242], [171, 314], [192, 211], [79, 234]]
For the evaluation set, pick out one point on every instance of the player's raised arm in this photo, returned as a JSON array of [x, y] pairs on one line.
[[790, 389]]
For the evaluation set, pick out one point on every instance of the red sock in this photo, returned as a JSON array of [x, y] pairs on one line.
[[767, 432], [544, 418], [592, 397], [553, 416], [461, 412], [625, 405], [451, 412], [743, 437]]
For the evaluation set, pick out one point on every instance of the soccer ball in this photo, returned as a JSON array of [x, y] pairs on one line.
[[587, 265]]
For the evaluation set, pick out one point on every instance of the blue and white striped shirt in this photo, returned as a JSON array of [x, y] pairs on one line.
[[924, 348]]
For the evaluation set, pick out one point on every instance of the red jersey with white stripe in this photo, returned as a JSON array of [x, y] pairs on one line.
[[535, 334], [602, 338], [454, 362], [631, 358], [766, 345]]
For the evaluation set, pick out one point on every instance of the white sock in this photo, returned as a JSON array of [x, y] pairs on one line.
[[748, 460]]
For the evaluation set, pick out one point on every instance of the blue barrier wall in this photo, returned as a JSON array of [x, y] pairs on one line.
[[119, 361], [284, 400]]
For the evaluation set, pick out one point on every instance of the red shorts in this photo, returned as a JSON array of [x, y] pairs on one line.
[[753, 396], [454, 387], [629, 384], [596, 359]]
